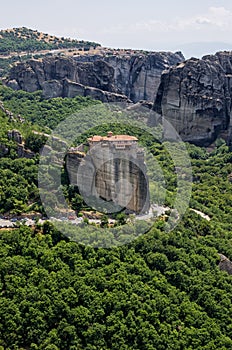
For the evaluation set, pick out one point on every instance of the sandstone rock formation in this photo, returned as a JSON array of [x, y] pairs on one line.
[[138, 76], [111, 175], [107, 78], [195, 96]]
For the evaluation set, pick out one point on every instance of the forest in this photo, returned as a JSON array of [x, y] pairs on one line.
[[163, 290]]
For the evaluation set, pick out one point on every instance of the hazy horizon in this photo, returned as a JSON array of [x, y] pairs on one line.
[[151, 25]]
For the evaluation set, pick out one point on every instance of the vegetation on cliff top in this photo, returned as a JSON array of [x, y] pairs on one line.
[[24, 39]]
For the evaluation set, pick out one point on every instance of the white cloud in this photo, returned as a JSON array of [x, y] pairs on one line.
[[202, 20], [220, 16], [216, 17], [213, 25]]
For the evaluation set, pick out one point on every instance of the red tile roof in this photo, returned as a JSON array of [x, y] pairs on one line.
[[97, 138]]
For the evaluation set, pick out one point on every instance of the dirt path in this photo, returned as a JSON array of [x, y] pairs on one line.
[[203, 215]]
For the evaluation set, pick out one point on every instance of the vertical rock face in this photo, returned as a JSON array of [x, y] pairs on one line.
[[110, 176], [31, 75], [135, 76], [195, 96], [72, 162], [138, 76]]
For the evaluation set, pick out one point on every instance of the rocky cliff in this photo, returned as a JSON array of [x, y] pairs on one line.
[[110, 178], [107, 77], [195, 96], [138, 75]]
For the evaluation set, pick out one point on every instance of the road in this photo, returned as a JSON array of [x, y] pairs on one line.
[[10, 223], [203, 215], [155, 211]]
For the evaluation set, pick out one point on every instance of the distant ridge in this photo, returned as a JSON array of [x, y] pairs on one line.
[[29, 40]]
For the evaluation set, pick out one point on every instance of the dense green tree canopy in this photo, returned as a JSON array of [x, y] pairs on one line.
[[161, 291]]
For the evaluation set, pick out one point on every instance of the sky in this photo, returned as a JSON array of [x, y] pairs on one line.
[[147, 24]]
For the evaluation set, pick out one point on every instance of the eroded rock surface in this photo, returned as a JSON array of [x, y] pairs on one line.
[[111, 177], [195, 96], [108, 78]]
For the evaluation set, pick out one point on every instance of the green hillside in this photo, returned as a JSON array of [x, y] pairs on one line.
[[24, 39], [44, 112], [162, 291]]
